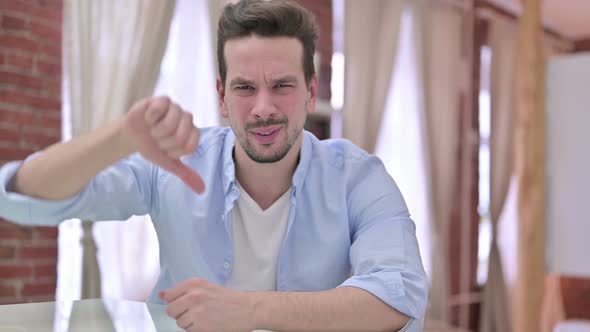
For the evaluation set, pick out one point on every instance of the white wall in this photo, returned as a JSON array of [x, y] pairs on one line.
[[568, 165]]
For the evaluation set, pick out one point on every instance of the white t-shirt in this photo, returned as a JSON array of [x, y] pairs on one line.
[[258, 235]]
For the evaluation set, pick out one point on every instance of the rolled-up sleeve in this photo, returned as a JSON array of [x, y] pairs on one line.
[[384, 255], [116, 193]]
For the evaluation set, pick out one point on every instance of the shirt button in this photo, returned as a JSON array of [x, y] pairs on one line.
[[226, 265]]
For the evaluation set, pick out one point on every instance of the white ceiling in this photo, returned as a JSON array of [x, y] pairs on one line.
[[570, 18]]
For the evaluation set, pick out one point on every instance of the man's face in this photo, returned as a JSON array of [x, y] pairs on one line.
[[265, 96]]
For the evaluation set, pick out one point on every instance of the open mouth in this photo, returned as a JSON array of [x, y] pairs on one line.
[[266, 135]]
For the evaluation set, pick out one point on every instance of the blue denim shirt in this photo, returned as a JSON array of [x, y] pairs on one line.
[[348, 223]]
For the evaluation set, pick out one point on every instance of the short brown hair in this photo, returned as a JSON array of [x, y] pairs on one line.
[[267, 18]]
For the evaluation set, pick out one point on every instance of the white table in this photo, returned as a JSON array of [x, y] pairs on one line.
[[86, 315]]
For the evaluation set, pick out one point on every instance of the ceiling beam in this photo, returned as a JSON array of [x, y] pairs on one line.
[[486, 4]]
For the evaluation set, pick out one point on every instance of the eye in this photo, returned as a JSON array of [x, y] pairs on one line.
[[244, 90], [283, 85]]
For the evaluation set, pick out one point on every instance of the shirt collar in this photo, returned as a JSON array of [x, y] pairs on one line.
[[229, 168], [304, 161]]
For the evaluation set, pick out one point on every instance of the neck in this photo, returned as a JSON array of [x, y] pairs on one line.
[[266, 183]]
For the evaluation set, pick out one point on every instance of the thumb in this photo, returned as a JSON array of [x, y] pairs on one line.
[[185, 173], [189, 176]]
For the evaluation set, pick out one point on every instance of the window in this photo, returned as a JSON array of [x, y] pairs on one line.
[[485, 119]]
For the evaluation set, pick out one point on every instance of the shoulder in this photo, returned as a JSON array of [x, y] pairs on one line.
[[342, 154], [362, 176], [340, 160]]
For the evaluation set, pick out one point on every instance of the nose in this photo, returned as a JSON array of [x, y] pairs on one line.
[[264, 107]]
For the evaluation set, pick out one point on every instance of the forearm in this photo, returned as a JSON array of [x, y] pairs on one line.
[[340, 309], [65, 168]]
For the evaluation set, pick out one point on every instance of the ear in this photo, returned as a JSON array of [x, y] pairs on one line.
[[312, 94], [221, 94]]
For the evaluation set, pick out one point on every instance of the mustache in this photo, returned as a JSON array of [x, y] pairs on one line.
[[266, 123]]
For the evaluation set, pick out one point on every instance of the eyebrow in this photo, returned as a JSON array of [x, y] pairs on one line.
[[285, 79], [242, 81]]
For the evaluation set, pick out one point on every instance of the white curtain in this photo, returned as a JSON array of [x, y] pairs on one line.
[[402, 138], [508, 238], [189, 71], [112, 51], [370, 48], [439, 40], [502, 40]]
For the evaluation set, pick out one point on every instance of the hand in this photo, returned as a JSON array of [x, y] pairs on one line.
[[198, 305], [162, 132]]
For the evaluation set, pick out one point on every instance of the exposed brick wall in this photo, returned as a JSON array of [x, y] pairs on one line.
[[582, 45], [30, 119], [322, 10], [576, 297]]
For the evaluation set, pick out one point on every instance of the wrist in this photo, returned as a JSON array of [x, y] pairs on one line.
[[259, 309], [123, 137]]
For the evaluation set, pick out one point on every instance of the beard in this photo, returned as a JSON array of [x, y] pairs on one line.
[[284, 146]]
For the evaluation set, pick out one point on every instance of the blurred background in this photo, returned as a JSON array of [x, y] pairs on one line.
[[477, 108]]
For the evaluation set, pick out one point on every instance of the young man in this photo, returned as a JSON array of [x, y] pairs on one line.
[[260, 226]]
